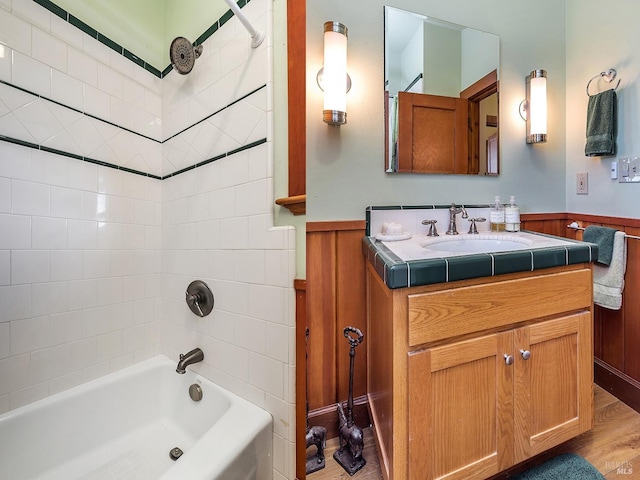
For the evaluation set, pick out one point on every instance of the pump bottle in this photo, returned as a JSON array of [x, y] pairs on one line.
[[512, 216], [496, 216]]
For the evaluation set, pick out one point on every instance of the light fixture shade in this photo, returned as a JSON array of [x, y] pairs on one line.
[[536, 106], [335, 73]]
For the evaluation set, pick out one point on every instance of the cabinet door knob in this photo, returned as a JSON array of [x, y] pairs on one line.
[[508, 359], [526, 354]]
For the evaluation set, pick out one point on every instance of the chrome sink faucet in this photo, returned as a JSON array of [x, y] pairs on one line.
[[194, 356], [453, 211]]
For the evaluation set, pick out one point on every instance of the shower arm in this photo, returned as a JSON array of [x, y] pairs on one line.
[[256, 36]]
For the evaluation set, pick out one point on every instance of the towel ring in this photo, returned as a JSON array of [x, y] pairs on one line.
[[608, 76]]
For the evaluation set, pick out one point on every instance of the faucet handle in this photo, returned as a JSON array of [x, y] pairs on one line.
[[472, 221], [433, 232]]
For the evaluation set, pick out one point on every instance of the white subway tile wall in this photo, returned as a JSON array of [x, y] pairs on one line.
[[94, 261], [60, 275]]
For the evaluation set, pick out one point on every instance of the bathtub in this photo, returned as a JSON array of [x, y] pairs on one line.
[[124, 425]]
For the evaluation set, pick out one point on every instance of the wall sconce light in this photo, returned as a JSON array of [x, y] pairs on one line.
[[333, 78], [533, 108]]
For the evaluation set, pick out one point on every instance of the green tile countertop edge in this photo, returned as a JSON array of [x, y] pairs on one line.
[[396, 273]]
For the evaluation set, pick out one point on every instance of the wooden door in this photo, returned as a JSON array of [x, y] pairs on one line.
[[553, 386], [432, 133], [460, 409]]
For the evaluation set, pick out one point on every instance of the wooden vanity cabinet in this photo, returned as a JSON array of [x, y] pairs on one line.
[[469, 378]]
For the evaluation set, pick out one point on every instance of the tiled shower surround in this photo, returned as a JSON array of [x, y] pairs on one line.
[[117, 189]]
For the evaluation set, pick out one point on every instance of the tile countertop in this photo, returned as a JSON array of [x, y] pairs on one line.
[[407, 263]]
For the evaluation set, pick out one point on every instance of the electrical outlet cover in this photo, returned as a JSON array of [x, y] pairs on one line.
[[582, 183]]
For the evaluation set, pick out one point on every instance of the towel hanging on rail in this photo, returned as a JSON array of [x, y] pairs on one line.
[[601, 124], [608, 281]]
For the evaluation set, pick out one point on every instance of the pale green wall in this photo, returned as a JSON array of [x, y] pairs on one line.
[[602, 35], [476, 60], [443, 54], [345, 165]]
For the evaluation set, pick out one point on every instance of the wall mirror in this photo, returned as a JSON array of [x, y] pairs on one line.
[[441, 96]]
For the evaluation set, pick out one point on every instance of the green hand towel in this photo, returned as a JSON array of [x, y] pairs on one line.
[[601, 124], [603, 237]]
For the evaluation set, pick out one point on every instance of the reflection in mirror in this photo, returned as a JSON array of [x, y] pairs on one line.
[[441, 96]]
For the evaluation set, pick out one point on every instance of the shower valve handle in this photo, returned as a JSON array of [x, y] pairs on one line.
[[195, 300], [199, 298]]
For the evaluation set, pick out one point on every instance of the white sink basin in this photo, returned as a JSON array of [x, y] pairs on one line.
[[481, 243], [422, 247]]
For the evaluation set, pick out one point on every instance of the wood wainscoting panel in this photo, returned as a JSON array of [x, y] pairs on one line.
[[549, 223], [321, 319], [632, 305], [616, 332], [350, 311], [335, 300]]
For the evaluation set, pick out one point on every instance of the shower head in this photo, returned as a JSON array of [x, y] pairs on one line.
[[183, 54]]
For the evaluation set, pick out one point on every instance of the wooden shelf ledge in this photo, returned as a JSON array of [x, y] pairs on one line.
[[296, 204]]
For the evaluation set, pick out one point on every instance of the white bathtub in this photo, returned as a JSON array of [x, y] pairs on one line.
[[123, 426]]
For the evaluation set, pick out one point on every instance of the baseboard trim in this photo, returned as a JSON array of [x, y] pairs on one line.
[[619, 384]]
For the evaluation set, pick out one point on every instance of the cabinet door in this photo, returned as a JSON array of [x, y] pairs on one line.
[[461, 409], [553, 384]]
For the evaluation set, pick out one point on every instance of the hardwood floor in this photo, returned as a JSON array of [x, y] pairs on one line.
[[612, 446]]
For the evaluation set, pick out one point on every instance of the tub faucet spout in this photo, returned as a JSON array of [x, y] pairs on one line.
[[194, 356]]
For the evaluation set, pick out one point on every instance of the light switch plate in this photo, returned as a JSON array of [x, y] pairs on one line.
[[582, 183], [629, 170]]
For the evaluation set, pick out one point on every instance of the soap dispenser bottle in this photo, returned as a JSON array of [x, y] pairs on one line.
[[512, 216], [496, 216]]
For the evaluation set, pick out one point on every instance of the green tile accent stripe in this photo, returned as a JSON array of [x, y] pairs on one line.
[[215, 113], [166, 71], [92, 32], [109, 43], [35, 146], [82, 112], [53, 8], [208, 32], [397, 273], [44, 148], [73, 155], [228, 15], [219, 23], [217, 157], [125, 128], [76, 22]]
